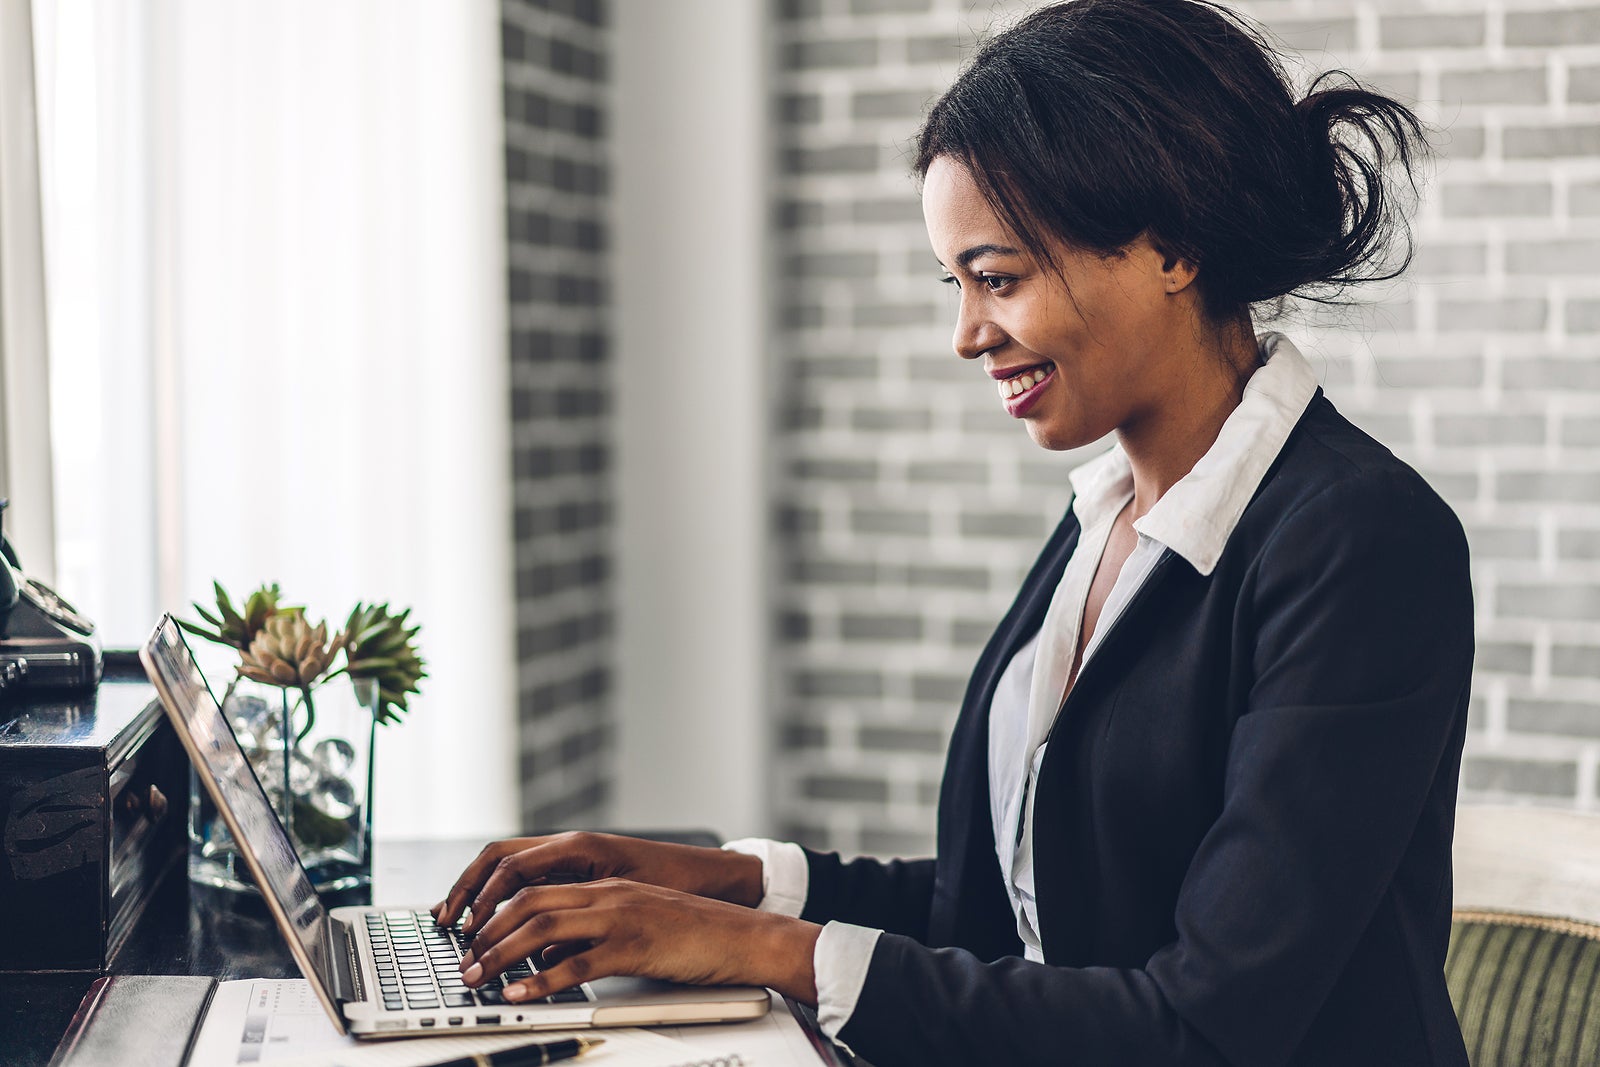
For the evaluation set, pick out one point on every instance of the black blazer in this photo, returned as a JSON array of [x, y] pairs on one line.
[[1242, 825]]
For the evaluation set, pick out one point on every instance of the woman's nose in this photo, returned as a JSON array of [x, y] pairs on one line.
[[976, 333]]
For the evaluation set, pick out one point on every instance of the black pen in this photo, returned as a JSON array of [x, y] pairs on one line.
[[527, 1055]]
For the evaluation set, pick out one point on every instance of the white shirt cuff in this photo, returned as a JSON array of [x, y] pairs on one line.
[[841, 959], [785, 877]]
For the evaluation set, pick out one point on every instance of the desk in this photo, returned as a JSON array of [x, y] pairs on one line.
[[191, 929]]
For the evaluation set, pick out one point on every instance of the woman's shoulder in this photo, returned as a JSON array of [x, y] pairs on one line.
[[1333, 474]]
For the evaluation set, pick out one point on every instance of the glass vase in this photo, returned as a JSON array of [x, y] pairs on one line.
[[313, 758]]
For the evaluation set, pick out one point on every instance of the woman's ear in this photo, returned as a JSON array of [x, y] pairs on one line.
[[1177, 273]]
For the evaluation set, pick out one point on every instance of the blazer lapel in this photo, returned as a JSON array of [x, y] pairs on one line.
[[968, 873]]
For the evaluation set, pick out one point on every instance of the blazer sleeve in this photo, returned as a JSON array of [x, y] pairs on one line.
[[896, 895], [1359, 607]]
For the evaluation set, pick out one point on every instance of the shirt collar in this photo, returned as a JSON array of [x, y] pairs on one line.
[[1197, 515]]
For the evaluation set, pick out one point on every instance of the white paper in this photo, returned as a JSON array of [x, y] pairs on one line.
[[281, 1022]]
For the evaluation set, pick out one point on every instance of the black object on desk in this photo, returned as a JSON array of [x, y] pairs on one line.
[[93, 792]]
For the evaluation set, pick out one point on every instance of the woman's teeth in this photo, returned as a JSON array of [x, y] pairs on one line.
[[1010, 387]]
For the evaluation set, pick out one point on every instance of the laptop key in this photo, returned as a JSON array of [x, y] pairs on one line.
[[571, 995], [458, 1000], [490, 994]]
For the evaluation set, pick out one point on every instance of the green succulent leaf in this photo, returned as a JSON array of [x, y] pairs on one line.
[[379, 646]]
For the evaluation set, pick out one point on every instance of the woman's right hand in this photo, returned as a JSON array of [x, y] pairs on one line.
[[503, 867]]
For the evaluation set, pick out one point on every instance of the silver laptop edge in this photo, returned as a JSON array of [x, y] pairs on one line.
[[163, 653]]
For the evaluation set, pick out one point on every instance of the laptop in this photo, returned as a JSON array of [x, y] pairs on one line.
[[389, 972]]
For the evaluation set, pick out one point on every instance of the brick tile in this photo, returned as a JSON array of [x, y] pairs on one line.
[[1567, 718], [1503, 657], [1583, 316], [946, 472], [1316, 35], [1524, 85], [1436, 260], [1570, 601], [1552, 257], [1487, 429], [1416, 372], [898, 104], [894, 314], [1503, 542], [1432, 31], [889, 521], [1560, 373], [1578, 544], [1579, 487], [1579, 431], [1500, 774], [939, 688], [1564, 26], [1583, 84], [901, 739], [858, 158], [1576, 661], [889, 7], [838, 684], [938, 49], [831, 53], [930, 576], [970, 633], [847, 265], [906, 210], [891, 420], [1551, 141], [1498, 199], [1504, 315], [842, 787], [1011, 525]]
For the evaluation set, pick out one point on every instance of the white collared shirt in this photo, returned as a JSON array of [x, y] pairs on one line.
[[1194, 520]]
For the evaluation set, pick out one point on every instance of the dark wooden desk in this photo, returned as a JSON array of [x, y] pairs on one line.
[[198, 930]]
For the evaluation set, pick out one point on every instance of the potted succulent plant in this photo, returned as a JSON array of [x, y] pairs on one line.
[[309, 741]]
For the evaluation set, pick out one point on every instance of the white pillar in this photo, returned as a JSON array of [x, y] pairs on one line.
[[692, 414], [25, 469]]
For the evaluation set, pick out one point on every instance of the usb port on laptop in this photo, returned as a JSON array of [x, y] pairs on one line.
[[488, 1020]]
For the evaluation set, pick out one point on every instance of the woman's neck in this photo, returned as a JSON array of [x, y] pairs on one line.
[[1168, 438]]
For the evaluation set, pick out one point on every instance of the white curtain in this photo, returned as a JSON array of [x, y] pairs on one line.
[[299, 371]]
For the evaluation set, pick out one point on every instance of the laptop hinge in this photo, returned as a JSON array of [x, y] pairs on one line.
[[346, 964]]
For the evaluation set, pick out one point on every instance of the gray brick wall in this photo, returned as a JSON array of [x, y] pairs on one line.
[[909, 505], [554, 64]]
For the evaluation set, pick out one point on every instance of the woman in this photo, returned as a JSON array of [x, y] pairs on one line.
[[1199, 799]]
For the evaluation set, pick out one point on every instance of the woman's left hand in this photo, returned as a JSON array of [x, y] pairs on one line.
[[618, 927]]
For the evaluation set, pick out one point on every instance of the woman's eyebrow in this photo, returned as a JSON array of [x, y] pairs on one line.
[[966, 256]]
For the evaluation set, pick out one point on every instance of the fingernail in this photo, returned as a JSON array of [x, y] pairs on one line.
[[474, 973], [516, 990]]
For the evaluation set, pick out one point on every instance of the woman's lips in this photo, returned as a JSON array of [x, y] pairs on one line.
[[1019, 392]]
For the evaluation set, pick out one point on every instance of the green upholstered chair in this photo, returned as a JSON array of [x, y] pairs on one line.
[[1524, 960]]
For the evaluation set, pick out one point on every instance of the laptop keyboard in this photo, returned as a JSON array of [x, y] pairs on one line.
[[419, 966]]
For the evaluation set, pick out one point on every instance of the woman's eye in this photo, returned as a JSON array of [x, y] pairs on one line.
[[950, 279], [995, 282]]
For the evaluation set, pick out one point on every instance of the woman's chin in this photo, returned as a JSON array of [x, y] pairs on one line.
[[1057, 436]]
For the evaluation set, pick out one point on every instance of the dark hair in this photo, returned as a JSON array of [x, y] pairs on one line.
[[1094, 121]]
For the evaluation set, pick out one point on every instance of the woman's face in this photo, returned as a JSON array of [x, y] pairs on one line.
[[1075, 354]]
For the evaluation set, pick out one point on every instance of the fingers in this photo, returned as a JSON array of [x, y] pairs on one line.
[[556, 922], [519, 869], [602, 961], [449, 909]]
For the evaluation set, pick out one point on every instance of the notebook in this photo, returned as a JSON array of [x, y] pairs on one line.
[[387, 972]]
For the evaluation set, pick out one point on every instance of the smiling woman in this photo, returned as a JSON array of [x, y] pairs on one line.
[[1199, 800]]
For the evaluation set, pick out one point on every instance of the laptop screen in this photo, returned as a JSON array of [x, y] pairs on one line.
[[239, 796]]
